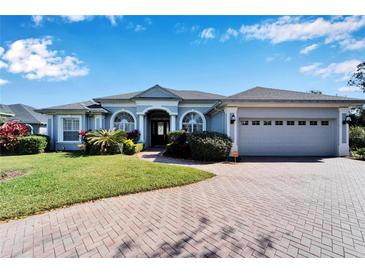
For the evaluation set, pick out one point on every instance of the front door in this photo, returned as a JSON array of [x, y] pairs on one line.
[[159, 131]]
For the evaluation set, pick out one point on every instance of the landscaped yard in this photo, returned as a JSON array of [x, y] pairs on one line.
[[54, 180]]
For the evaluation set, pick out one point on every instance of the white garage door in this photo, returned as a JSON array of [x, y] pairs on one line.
[[285, 137]]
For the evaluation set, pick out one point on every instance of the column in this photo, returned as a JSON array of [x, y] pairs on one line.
[[343, 133], [141, 127], [172, 122]]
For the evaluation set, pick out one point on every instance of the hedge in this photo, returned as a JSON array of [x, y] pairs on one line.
[[177, 146], [32, 144], [209, 146]]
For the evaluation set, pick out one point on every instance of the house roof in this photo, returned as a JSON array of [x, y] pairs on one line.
[[164, 93], [86, 106], [6, 111], [26, 114], [262, 94]]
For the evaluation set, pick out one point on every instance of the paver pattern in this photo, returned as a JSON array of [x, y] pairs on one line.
[[257, 208]]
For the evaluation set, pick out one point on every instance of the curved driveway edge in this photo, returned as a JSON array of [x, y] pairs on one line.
[[258, 208]]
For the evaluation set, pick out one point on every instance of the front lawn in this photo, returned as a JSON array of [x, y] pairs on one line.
[[54, 180]]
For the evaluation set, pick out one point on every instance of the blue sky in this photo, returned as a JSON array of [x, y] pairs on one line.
[[48, 61]]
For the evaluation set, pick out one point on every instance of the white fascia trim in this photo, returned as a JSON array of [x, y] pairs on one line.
[[157, 103], [155, 107], [190, 105], [119, 111], [197, 112], [121, 105], [60, 128]]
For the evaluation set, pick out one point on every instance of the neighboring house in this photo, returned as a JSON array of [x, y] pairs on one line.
[[5, 113], [36, 122], [260, 121]]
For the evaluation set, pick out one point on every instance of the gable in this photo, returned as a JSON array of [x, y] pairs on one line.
[[157, 92]]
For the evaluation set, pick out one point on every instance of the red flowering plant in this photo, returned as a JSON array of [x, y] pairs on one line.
[[85, 146], [10, 132]]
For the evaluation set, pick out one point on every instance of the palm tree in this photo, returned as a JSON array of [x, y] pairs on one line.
[[106, 141]]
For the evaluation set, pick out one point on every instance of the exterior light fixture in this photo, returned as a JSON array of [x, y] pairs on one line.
[[347, 120], [233, 118]]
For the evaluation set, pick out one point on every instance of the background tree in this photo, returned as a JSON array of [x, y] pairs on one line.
[[358, 78]]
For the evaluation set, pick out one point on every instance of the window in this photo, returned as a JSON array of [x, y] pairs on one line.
[[278, 123], [244, 123], [324, 123], [124, 121], [302, 123], [313, 123], [71, 128], [290, 123], [255, 123], [267, 123], [192, 122]]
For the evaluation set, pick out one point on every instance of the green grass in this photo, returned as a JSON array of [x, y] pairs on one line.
[[54, 180]]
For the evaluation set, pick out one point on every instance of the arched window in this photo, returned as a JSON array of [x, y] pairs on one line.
[[124, 121], [193, 122]]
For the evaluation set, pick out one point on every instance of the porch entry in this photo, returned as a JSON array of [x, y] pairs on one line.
[[160, 127], [159, 131]]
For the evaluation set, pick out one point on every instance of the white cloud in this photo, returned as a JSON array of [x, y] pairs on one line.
[[309, 48], [353, 44], [1, 51], [230, 33], [309, 68], [345, 69], [37, 19], [208, 33], [75, 18], [3, 65], [349, 89], [269, 59], [33, 58], [289, 28], [3, 82], [148, 20], [139, 28], [114, 19]]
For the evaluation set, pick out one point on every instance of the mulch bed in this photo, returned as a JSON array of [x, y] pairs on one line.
[[6, 175]]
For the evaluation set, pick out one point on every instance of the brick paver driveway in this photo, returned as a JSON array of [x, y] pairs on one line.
[[259, 208]]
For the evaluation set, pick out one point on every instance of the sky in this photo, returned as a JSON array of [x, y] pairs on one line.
[[54, 60]]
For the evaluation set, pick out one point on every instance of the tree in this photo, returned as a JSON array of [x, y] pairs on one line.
[[358, 78]]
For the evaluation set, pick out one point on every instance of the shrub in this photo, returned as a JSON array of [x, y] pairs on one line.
[[357, 137], [209, 146], [31, 144], [10, 132], [359, 153], [105, 141], [134, 135], [177, 146], [139, 147], [129, 147], [47, 139]]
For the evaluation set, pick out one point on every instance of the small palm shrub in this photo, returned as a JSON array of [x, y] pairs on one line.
[[357, 137], [177, 146], [209, 146], [105, 141], [129, 147]]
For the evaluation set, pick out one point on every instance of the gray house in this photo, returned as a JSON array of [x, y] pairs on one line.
[[260, 121], [36, 122]]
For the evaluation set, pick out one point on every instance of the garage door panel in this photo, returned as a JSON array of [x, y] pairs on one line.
[[286, 140]]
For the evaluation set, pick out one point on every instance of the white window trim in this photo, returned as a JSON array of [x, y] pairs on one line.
[[197, 112], [60, 128], [119, 111]]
